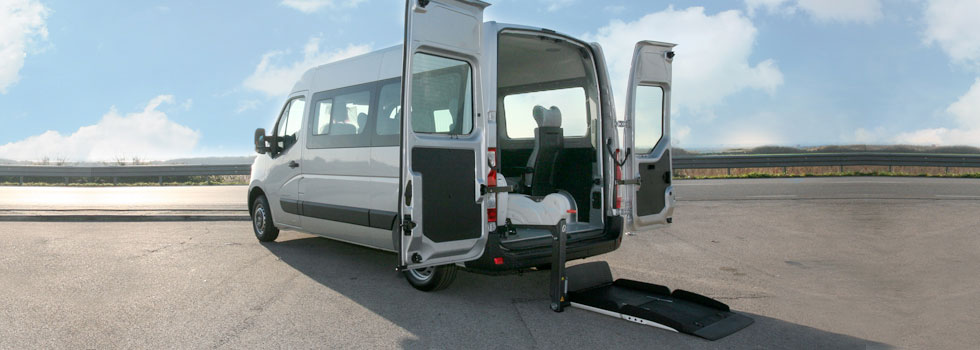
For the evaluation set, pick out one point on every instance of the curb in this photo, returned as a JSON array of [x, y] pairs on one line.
[[122, 215], [121, 218]]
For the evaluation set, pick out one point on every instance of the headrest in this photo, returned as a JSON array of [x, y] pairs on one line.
[[547, 117]]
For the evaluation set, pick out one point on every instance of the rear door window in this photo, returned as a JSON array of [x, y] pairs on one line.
[[442, 95]]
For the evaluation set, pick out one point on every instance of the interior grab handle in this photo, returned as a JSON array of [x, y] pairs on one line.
[[613, 155]]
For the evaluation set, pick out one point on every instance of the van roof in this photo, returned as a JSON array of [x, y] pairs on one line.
[[373, 66]]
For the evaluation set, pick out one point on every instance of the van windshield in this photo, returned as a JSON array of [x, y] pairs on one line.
[[537, 70]]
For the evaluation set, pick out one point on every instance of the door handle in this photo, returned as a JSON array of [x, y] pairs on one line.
[[293, 164]]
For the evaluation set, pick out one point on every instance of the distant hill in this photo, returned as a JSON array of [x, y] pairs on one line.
[[181, 161], [839, 149]]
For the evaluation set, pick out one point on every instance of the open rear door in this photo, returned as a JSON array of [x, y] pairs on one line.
[[441, 207], [647, 135]]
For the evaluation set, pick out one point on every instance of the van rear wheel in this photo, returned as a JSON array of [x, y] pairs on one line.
[[433, 278], [262, 224]]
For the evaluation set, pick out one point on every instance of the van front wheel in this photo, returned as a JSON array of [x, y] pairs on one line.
[[433, 278], [262, 224]]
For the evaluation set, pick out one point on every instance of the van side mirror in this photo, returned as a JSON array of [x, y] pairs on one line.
[[261, 147]]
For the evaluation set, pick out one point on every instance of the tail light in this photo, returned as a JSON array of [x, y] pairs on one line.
[[492, 182], [619, 177]]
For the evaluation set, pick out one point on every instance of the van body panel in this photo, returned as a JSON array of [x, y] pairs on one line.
[[384, 173], [283, 178], [441, 80], [336, 177], [649, 193]]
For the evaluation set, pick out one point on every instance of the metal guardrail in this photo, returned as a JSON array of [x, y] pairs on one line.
[[679, 162], [115, 172], [827, 159]]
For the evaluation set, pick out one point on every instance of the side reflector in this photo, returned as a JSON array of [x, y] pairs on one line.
[[498, 261]]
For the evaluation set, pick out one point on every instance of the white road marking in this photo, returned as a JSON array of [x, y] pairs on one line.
[[955, 196], [871, 182], [775, 196]]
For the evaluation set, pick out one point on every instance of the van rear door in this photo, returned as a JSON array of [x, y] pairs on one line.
[[441, 207], [647, 184]]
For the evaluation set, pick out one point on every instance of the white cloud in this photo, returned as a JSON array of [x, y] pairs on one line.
[[966, 113], [147, 134], [275, 79], [247, 105], [712, 55], [555, 5], [966, 110], [772, 6], [615, 9], [22, 23], [311, 6], [865, 11], [865, 136], [953, 25]]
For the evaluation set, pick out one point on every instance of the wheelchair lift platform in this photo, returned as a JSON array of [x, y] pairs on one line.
[[590, 286]]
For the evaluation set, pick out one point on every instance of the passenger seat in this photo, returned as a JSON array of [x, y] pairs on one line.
[[549, 140], [361, 122], [546, 205]]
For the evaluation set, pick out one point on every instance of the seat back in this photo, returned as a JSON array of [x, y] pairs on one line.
[[342, 129], [361, 122], [549, 140]]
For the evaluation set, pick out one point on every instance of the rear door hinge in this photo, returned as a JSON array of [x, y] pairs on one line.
[[636, 181], [623, 123], [408, 225], [484, 189]]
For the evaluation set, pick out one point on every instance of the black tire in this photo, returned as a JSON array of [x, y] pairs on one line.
[[431, 279], [262, 224]]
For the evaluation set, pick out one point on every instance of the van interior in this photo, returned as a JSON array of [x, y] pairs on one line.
[[548, 131]]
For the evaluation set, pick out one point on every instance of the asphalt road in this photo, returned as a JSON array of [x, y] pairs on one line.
[[822, 270], [929, 188], [232, 198]]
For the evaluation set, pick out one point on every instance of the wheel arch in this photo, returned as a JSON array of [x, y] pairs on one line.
[[254, 193]]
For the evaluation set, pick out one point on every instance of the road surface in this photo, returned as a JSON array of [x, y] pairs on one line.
[[860, 263]]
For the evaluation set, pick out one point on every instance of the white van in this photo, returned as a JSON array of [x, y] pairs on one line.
[[471, 146]]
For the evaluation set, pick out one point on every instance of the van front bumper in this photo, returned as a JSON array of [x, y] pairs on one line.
[[516, 259]]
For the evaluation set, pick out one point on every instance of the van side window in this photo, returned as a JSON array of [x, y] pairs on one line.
[[390, 109], [341, 118], [323, 107], [442, 95], [290, 123], [349, 114]]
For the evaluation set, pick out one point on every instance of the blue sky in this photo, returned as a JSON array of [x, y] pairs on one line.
[[96, 80]]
